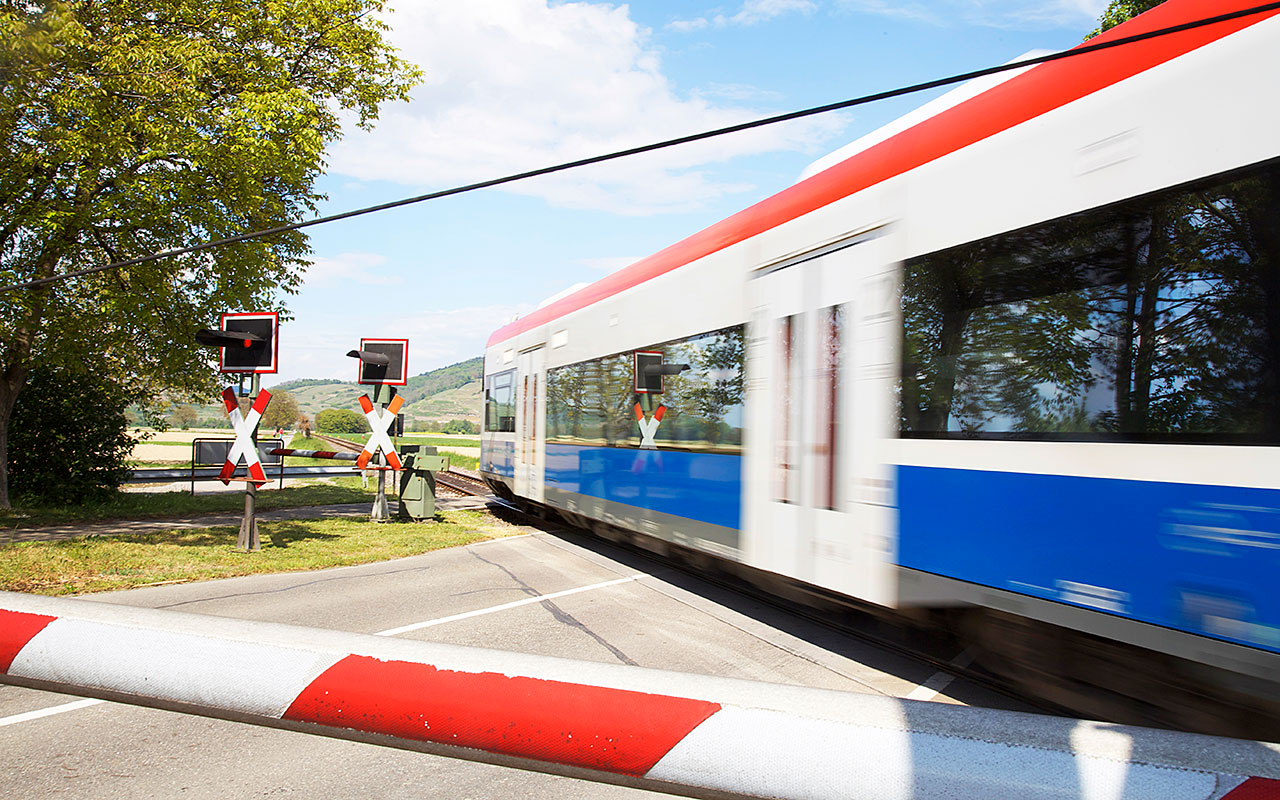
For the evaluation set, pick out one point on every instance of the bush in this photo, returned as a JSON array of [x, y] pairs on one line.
[[340, 420], [68, 437], [460, 426]]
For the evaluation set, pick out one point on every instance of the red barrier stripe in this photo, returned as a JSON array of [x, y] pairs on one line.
[[229, 399], [16, 629], [1038, 91], [587, 726], [1255, 789], [366, 403], [260, 402]]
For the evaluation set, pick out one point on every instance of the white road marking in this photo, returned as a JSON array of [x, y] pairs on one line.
[[48, 712], [516, 604], [940, 680]]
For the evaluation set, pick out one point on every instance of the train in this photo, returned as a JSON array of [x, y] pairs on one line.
[[1013, 358]]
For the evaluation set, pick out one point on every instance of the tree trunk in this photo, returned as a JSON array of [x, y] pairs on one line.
[[11, 384]]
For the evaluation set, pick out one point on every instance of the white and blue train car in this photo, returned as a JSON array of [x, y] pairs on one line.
[[1019, 350]]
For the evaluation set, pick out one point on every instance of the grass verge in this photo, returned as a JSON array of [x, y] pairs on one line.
[[107, 563], [155, 505]]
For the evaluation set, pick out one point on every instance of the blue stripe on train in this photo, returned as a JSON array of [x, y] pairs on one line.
[[499, 458], [1203, 559], [702, 486]]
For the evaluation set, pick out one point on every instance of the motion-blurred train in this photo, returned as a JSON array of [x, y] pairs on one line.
[[1016, 353]]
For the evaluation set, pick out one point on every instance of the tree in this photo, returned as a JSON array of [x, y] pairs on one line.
[[282, 411], [183, 416], [340, 420], [460, 426], [135, 127], [1121, 11], [70, 436]]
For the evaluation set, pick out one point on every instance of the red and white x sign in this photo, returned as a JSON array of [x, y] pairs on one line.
[[379, 423], [244, 446]]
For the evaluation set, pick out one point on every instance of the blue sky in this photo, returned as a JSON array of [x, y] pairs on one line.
[[514, 85]]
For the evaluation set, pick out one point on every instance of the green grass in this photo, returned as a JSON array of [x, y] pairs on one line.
[[157, 505], [99, 564]]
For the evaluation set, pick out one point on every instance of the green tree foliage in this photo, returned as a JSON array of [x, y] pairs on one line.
[[282, 411], [183, 416], [340, 420], [69, 437], [460, 426], [133, 127], [1121, 11]]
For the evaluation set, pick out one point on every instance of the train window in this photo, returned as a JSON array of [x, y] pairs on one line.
[[826, 435], [593, 402], [500, 403], [1155, 319]]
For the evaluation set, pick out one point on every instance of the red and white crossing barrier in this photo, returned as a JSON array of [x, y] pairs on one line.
[[378, 424], [686, 734], [244, 446], [333, 454]]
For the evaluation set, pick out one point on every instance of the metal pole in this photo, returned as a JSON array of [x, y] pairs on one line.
[[248, 540], [380, 512]]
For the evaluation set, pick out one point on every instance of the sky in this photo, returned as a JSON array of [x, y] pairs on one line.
[[514, 85]]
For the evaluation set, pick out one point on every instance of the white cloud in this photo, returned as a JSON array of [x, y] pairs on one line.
[[514, 85], [1033, 14], [348, 269], [436, 339], [752, 12]]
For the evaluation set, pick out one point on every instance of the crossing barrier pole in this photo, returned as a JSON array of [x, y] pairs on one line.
[[684, 734]]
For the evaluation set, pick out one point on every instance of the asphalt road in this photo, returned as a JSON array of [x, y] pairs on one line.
[[611, 606]]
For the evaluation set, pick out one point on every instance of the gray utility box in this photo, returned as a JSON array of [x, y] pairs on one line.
[[417, 483]]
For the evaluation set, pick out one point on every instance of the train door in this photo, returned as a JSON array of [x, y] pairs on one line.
[[817, 420], [531, 377]]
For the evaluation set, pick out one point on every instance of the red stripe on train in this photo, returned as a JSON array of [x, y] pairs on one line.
[[613, 730], [16, 629], [1037, 91]]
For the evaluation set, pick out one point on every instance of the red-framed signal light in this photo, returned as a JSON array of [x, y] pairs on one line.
[[249, 342], [383, 362]]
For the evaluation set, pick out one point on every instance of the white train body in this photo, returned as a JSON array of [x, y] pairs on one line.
[[814, 458]]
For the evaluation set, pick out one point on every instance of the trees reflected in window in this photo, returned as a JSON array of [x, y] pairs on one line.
[[593, 402], [1157, 319]]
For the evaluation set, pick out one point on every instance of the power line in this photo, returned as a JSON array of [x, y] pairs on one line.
[[696, 137]]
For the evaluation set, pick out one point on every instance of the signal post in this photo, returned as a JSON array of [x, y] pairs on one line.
[[249, 347]]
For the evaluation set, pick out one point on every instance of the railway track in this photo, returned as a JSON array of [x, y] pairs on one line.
[[453, 483]]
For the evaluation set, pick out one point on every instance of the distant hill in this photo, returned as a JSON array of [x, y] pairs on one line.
[[452, 392]]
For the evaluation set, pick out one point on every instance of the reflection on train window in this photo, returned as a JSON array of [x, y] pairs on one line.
[[787, 426], [500, 403], [826, 434], [593, 402], [1156, 319]]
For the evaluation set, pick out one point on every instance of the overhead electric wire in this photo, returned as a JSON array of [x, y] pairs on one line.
[[632, 151]]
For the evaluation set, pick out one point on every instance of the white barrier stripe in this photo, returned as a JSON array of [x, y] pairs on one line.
[[48, 712], [771, 754], [505, 606], [247, 677]]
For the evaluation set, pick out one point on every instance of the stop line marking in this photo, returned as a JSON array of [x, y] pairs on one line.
[[48, 712], [515, 604], [78, 704]]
